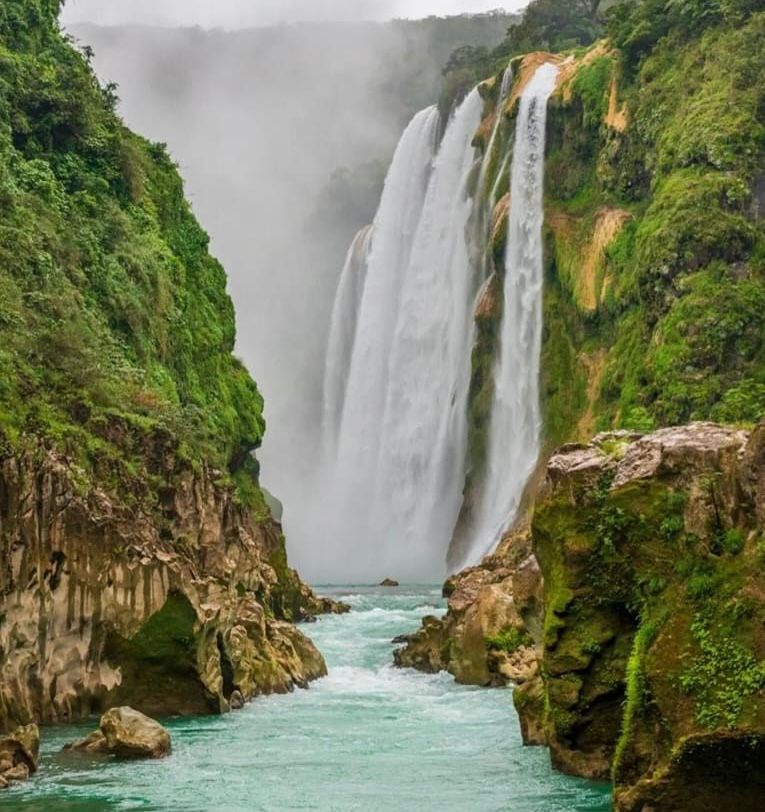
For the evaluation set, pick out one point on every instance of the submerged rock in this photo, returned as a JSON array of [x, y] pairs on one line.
[[126, 733], [19, 753], [389, 582]]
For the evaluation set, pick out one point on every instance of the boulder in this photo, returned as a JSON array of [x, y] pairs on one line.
[[236, 701], [389, 582], [128, 734], [653, 672], [19, 753]]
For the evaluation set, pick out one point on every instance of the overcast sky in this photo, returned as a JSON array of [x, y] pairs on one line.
[[245, 13]]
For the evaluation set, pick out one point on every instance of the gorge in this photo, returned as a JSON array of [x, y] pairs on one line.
[[541, 380]]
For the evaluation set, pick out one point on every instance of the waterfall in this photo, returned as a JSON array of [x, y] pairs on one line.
[[391, 493], [504, 91], [516, 416], [394, 228], [421, 469], [342, 334], [399, 365]]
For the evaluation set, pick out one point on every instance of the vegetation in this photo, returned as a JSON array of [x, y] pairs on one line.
[[115, 324], [691, 290], [509, 640], [647, 626], [723, 674], [549, 25], [655, 277]]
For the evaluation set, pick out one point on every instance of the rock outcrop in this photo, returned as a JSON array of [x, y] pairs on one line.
[[644, 632], [167, 597], [127, 734], [484, 637], [650, 551], [19, 752]]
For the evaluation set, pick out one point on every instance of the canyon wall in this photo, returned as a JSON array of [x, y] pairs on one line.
[[626, 604], [139, 561]]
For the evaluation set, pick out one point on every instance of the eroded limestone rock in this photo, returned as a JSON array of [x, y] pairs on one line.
[[484, 638], [168, 601], [19, 754], [128, 734], [630, 615], [653, 667]]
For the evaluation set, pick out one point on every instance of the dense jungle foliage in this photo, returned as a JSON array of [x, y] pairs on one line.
[[685, 312], [111, 309], [546, 25]]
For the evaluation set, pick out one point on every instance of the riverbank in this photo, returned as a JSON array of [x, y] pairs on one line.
[[368, 736]]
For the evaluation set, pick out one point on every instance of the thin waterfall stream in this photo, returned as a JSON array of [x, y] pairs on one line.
[[515, 422]]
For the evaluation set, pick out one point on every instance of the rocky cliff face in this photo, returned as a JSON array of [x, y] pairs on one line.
[[483, 639], [653, 667], [169, 602], [139, 563], [637, 646]]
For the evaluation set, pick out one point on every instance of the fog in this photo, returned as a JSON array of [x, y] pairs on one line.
[[248, 13], [283, 136]]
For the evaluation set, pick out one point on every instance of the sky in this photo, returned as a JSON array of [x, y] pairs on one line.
[[247, 13]]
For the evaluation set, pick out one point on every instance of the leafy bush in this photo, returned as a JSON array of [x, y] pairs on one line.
[[509, 640]]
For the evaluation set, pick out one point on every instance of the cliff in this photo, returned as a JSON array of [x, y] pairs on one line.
[[106, 601], [139, 563], [628, 614], [654, 287], [625, 604], [653, 667]]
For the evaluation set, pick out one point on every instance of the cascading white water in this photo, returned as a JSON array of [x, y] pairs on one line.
[[394, 229], [363, 326], [504, 91], [342, 334], [401, 440], [516, 417], [394, 488], [421, 467]]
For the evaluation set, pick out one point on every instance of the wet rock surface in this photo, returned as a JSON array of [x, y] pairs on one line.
[[19, 754], [653, 658], [127, 734], [483, 639], [167, 599]]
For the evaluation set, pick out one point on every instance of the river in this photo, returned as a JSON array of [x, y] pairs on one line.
[[368, 737]]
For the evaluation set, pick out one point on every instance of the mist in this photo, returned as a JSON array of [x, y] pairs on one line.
[[283, 136], [249, 13]]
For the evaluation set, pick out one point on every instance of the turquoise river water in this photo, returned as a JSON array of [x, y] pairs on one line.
[[368, 737]]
